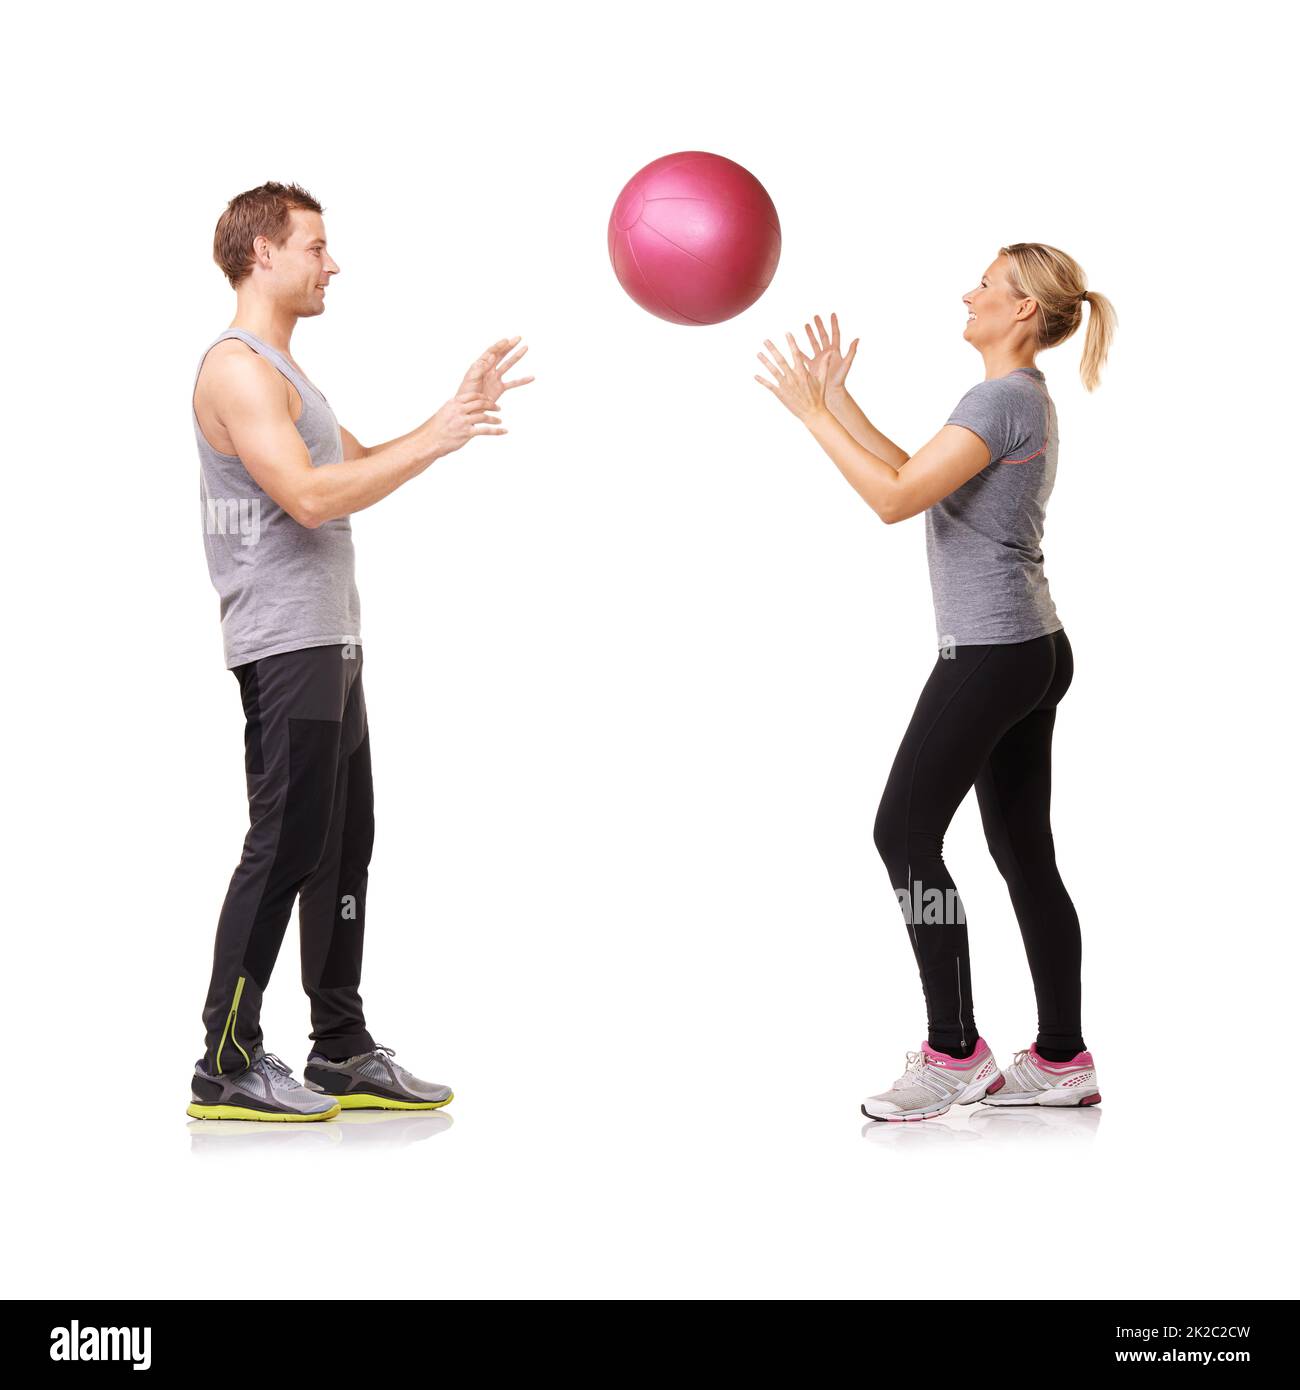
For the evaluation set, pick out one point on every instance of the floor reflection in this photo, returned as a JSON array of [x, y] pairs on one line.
[[352, 1127], [1010, 1123]]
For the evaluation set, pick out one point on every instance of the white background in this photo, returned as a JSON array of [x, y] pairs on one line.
[[637, 670]]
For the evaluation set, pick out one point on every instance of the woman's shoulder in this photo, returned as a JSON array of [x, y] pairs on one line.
[[1005, 411]]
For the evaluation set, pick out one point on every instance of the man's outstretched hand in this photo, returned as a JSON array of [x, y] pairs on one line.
[[486, 373]]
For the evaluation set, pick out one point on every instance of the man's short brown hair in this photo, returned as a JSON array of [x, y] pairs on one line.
[[261, 211]]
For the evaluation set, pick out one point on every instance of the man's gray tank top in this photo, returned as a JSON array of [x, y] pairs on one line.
[[984, 539], [283, 586]]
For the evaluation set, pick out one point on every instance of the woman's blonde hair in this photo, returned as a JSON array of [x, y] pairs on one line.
[[1055, 281]]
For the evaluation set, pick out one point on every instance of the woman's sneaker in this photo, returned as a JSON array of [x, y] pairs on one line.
[[265, 1091], [373, 1081], [933, 1082], [1033, 1080]]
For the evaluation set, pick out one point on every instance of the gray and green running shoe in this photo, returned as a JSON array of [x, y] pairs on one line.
[[266, 1090], [372, 1081]]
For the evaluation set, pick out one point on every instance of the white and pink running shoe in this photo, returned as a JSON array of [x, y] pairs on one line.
[[1033, 1080], [934, 1082]]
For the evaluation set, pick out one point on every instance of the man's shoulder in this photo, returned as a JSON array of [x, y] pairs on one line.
[[230, 352], [232, 365]]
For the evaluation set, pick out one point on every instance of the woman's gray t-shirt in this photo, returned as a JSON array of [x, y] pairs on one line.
[[984, 540]]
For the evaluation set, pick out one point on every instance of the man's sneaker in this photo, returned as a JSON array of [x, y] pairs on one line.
[[373, 1081], [265, 1091], [1033, 1080], [933, 1082]]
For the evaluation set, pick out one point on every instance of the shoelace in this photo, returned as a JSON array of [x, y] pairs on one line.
[[276, 1070], [399, 1070], [916, 1065], [1023, 1063]]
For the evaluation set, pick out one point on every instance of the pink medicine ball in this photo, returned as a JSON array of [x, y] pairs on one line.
[[694, 238]]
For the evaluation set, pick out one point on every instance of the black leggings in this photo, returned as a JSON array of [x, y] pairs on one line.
[[985, 719]]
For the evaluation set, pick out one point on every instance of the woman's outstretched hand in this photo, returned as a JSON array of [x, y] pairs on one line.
[[800, 390], [838, 366]]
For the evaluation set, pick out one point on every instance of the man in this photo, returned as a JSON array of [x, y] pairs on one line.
[[280, 478]]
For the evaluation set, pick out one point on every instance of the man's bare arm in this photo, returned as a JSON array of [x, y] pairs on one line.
[[352, 446], [250, 400]]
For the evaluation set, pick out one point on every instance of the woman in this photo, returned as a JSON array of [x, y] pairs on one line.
[[985, 715]]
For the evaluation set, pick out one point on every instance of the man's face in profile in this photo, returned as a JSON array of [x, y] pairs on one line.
[[303, 266]]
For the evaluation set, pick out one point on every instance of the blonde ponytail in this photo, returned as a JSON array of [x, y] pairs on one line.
[[1055, 282]]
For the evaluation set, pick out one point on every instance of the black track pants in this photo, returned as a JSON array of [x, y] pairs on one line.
[[984, 719], [311, 828]]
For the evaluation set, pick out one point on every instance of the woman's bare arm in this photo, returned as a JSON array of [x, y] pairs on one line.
[[851, 415], [895, 493], [894, 490]]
